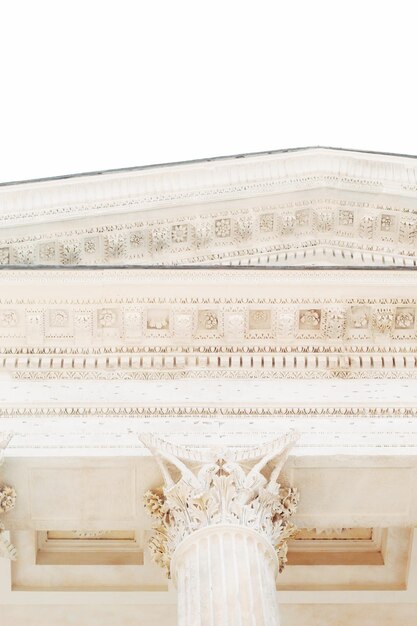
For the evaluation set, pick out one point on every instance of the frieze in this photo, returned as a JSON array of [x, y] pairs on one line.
[[266, 325], [308, 326], [360, 318]]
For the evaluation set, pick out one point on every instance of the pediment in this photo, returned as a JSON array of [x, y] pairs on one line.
[[303, 207]]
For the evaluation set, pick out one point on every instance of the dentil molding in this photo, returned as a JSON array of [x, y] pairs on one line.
[[206, 323]]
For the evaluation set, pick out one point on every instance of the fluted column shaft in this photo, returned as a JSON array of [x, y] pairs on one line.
[[221, 531], [225, 576]]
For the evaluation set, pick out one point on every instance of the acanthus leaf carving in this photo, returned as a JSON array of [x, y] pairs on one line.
[[7, 498], [220, 487], [7, 502]]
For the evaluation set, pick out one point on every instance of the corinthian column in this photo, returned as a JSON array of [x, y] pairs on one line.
[[222, 522]]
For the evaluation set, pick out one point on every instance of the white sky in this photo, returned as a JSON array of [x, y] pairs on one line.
[[88, 85]]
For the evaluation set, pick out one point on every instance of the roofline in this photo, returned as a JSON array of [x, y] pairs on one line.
[[5, 269], [139, 168]]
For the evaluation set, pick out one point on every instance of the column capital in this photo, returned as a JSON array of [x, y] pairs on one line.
[[7, 502], [227, 486]]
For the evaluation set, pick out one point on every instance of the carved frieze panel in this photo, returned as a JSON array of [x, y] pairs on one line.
[[222, 320], [336, 337], [182, 326]]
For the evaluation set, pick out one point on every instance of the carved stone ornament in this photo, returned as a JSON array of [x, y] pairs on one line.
[[7, 502], [220, 487], [7, 498], [91, 534]]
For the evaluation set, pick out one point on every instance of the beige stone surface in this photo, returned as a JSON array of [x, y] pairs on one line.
[[309, 324]]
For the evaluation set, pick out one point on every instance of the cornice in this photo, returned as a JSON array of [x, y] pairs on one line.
[[356, 232], [182, 184], [207, 323]]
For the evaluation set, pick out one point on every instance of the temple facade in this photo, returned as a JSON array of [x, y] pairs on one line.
[[208, 394]]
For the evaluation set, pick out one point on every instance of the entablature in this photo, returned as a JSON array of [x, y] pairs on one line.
[[176, 323]]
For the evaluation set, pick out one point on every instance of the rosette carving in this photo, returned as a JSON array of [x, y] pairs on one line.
[[220, 487]]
